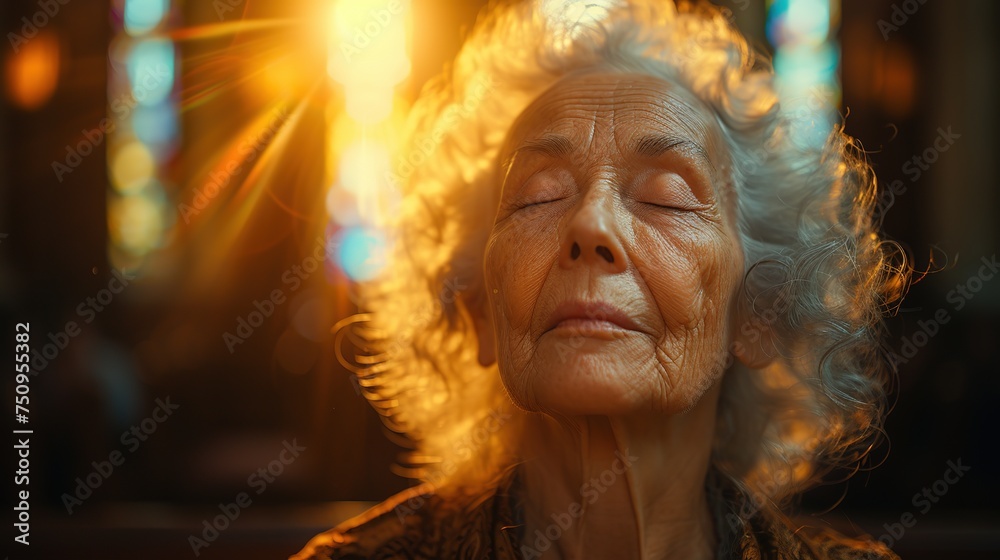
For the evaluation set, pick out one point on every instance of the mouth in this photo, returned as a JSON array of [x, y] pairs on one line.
[[598, 319]]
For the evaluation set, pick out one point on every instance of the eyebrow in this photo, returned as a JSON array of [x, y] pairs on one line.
[[551, 145], [655, 146], [649, 146]]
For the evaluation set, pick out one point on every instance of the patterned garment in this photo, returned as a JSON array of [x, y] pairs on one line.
[[418, 524]]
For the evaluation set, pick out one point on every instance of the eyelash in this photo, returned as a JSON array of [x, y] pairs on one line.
[[662, 207], [645, 203], [672, 208], [538, 203], [557, 198]]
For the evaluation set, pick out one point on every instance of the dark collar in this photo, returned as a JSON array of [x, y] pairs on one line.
[[744, 530]]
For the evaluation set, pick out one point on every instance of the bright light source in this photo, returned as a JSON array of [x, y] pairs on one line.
[[572, 17], [342, 207], [363, 167], [367, 54], [809, 20], [142, 16], [131, 167], [156, 125], [368, 104], [804, 67], [135, 223], [362, 253], [805, 62], [794, 22], [33, 72], [151, 70]]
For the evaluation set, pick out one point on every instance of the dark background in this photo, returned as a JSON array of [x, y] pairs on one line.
[[161, 338]]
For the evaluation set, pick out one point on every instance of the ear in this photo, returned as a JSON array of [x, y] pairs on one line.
[[752, 336], [478, 307]]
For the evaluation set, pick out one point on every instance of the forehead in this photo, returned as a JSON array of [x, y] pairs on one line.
[[598, 108]]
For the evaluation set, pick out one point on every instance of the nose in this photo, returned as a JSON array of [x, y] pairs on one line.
[[591, 238]]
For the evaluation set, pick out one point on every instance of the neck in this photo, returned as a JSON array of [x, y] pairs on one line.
[[630, 487]]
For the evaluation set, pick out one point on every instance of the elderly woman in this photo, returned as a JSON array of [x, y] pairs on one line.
[[630, 313]]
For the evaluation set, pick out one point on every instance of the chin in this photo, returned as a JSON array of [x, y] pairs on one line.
[[576, 382], [584, 376]]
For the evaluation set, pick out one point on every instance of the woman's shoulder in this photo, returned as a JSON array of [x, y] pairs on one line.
[[417, 523], [365, 534], [420, 523], [829, 544], [749, 530], [808, 540], [387, 530]]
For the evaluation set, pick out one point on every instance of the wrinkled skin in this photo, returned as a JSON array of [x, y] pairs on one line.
[[659, 212], [615, 189]]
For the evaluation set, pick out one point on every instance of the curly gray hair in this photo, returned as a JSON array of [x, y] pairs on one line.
[[818, 278]]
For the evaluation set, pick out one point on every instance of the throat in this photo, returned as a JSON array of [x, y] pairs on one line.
[[594, 488]]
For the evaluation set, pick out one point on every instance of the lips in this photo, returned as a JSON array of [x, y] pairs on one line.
[[589, 316]]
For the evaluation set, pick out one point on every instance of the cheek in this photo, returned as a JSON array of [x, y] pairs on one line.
[[518, 258], [691, 271]]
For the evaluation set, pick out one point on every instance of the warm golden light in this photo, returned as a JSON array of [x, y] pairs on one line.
[[367, 54], [368, 41], [33, 72], [342, 207], [368, 104], [135, 223], [574, 16], [131, 167], [363, 167]]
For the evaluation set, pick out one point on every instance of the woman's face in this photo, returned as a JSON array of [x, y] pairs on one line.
[[614, 256]]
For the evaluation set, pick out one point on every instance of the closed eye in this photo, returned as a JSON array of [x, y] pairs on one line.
[[540, 202], [543, 187], [665, 206], [668, 191]]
